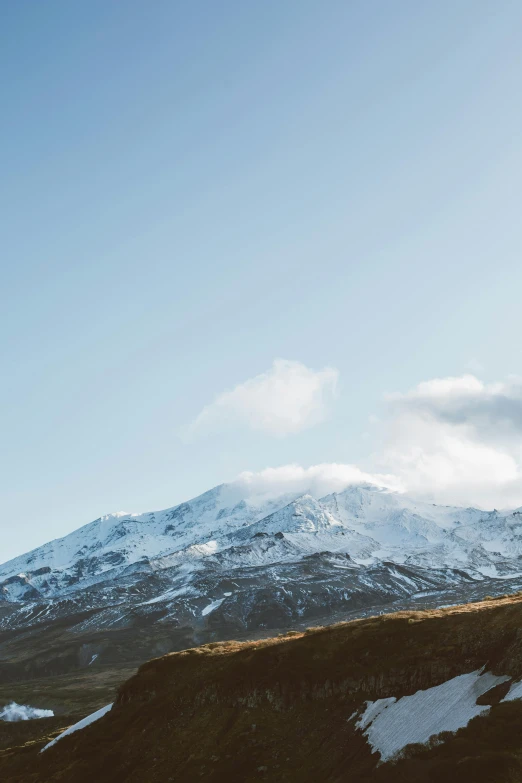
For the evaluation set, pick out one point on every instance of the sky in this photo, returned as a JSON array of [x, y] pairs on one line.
[[274, 239]]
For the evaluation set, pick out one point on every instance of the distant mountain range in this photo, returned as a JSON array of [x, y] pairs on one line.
[[227, 563]]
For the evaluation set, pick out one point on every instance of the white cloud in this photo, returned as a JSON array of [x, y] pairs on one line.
[[442, 389], [286, 399], [318, 480], [450, 440], [456, 440]]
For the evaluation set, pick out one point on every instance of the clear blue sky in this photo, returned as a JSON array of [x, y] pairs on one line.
[[193, 189]]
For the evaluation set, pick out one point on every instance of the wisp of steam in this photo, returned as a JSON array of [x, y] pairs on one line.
[[14, 711]]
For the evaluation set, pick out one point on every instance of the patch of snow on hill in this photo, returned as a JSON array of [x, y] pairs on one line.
[[210, 608], [80, 725], [515, 692], [391, 724]]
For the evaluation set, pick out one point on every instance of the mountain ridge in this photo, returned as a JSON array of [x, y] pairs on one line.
[[233, 562], [386, 520]]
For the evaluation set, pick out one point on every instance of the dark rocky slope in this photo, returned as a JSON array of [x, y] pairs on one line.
[[285, 709]]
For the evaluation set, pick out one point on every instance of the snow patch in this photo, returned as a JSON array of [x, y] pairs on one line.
[[391, 724], [80, 725], [210, 608], [515, 692], [170, 594]]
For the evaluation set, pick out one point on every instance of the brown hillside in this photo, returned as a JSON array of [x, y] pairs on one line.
[[281, 709]]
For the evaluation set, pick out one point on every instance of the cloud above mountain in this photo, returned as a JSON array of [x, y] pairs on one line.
[[451, 440], [286, 399], [456, 440], [318, 480], [492, 411]]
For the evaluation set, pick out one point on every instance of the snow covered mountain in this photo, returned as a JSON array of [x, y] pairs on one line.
[[228, 561], [368, 523]]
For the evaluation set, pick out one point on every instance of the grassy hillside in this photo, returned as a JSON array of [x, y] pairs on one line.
[[284, 709]]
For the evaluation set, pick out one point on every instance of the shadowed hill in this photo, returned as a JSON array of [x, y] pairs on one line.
[[285, 709]]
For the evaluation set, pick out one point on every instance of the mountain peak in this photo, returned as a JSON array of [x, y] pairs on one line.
[[360, 521]]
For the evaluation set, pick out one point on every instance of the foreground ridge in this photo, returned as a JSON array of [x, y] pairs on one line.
[[324, 704]]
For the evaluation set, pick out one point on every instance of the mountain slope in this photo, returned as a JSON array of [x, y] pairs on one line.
[[327, 705], [361, 521], [229, 564]]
